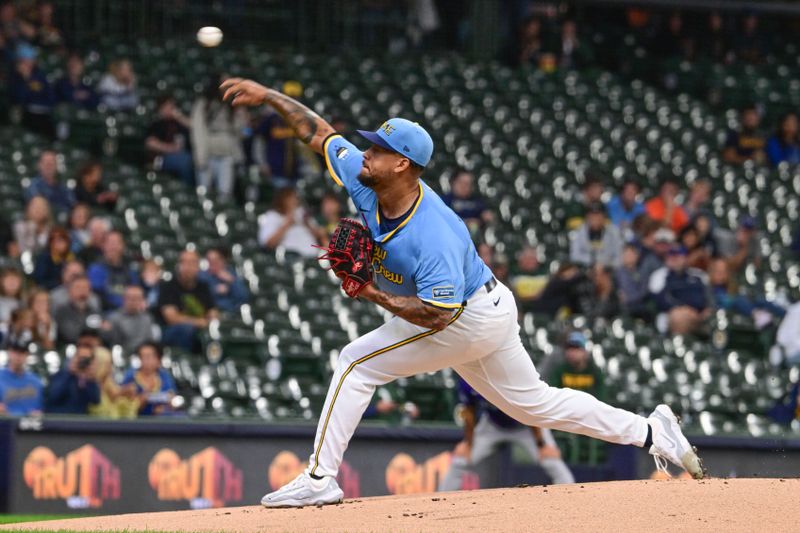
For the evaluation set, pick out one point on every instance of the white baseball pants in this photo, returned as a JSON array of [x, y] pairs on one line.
[[485, 440], [482, 344]]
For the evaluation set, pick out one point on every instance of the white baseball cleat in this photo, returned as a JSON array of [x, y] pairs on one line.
[[669, 444], [305, 490]]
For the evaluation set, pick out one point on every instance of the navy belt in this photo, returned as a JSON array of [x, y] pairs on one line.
[[490, 285]]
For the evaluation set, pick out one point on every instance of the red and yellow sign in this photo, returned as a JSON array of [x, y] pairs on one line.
[[206, 479], [405, 476], [84, 478]]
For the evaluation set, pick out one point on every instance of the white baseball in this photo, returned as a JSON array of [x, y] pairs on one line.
[[209, 36]]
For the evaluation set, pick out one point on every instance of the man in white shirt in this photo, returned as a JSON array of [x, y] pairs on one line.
[[288, 225]]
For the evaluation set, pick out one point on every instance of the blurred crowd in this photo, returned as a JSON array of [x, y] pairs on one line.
[[661, 258]]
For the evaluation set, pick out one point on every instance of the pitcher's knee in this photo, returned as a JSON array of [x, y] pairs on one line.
[[347, 356]]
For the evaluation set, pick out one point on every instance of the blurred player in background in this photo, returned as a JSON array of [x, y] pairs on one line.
[[492, 429]]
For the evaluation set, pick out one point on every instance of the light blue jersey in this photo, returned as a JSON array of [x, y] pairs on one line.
[[429, 255], [20, 394]]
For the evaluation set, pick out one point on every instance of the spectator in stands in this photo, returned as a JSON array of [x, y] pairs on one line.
[[227, 289], [117, 88], [664, 208], [216, 140], [577, 370], [150, 283], [32, 232], [746, 246], [747, 143], [697, 254], [14, 30], [574, 52], [330, 212], [91, 190], [716, 39], [79, 227], [33, 323], [73, 88], [784, 146], [631, 283], [20, 389], [29, 89], [591, 193], [529, 276], [20, 328], [531, 42], [602, 301], [168, 138], [681, 295], [704, 226], [750, 43], [45, 328], [288, 224], [726, 297], [467, 204], [93, 250], [186, 304], [11, 296], [624, 207], [60, 295], [115, 401], [280, 160], [131, 325], [697, 202], [653, 244], [595, 241], [153, 383], [48, 36], [90, 336], [565, 292], [71, 318], [50, 262], [111, 274], [74, 388], [47, 185]]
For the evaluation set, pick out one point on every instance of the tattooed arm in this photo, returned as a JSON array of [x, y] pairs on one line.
[[307, 125], [409, 308]]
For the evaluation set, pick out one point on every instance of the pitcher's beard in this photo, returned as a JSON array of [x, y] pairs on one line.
[[367, 180]]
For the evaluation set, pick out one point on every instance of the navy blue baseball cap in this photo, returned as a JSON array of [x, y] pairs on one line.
[[678, 249], [748, 222], [407, 138]]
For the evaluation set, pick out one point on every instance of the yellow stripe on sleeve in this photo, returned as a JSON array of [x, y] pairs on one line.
[[442, 305], [328, 162]]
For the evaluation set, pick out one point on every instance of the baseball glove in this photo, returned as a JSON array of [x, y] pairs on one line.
[[350, 255]]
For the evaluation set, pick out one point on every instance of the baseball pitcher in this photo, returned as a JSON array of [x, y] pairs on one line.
[[449, 311]]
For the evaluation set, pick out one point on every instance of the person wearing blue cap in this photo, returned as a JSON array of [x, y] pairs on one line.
[[449, 310], [577, 369], [30, 90], [21, 391]]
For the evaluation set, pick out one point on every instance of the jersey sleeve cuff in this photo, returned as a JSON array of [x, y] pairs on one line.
[[325, 144], [442, 305]]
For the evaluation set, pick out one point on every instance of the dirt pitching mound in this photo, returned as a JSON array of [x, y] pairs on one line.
[[687, 505]]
